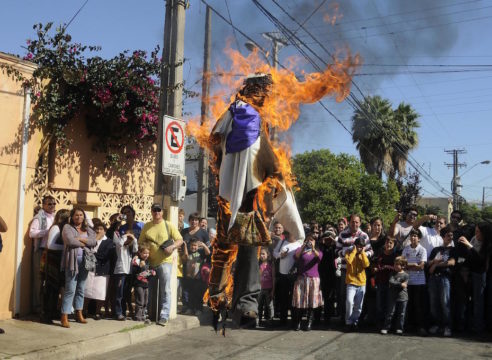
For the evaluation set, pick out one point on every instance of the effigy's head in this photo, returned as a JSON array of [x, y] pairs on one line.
[[256, 88]]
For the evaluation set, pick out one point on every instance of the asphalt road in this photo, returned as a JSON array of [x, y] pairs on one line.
[[202, 343]]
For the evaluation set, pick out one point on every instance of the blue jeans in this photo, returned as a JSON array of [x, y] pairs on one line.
[[398, 307], [439, 287], [353, 304], [74, 290], [120, 287], [164, 276], [478, 283]]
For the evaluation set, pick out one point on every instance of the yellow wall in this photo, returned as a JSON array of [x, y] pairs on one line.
[[12, 106], [78, 177]]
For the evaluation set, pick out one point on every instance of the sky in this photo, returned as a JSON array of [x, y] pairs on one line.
[[436, 56]]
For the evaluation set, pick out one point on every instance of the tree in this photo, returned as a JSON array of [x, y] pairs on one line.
[[407, 139], [409, 190], [332, 186], [384, 136]]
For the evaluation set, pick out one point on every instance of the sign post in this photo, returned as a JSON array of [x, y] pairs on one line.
[[173, 151]]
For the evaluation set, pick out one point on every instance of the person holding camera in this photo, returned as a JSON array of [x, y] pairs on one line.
[[431, 234], [357, 262], [401, 226], [126, 246], [306, 295]]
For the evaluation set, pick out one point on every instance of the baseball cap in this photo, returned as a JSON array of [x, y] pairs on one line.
[[156, 206]]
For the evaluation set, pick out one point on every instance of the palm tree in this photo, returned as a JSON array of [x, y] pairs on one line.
[[384, 137], [405, 118]]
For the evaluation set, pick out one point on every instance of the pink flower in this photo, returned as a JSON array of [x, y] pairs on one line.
[[123, 119], [29, 56], [38, 94], [28, 41], [134, 153]]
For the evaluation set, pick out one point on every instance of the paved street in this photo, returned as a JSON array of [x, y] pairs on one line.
[[202, 343]]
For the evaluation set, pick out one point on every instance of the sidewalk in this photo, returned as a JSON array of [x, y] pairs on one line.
[[28, 339]]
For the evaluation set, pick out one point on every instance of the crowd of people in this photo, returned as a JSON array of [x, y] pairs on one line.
[[418, 274]]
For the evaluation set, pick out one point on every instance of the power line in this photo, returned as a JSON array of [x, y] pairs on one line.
[[408, 12], [355, 103], [391, 33], [405, 21], [230, 19], [75, 15]]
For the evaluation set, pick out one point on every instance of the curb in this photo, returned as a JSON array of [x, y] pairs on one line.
[[112, 341]]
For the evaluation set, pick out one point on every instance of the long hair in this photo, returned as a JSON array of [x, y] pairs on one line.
[[486, 231], [84, 226], [61, 218], [373, 220]]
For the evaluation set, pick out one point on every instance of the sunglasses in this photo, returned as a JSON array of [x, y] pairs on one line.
[[156, 210], [51, 204]]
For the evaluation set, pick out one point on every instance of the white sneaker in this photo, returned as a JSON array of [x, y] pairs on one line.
[[399, 332], [384, 331], [433, 330], [447, 332]]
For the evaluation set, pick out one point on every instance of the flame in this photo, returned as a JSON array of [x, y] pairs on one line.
[[334, 16], [282, 108]]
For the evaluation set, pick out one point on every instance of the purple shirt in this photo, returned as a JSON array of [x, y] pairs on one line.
[[308, 263]]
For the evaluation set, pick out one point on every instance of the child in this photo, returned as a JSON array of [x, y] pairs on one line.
[[383, 268], [142, 271], [355, 279], [397, 296], [97, 281], [417, 257], [265, 300], [192, 281]]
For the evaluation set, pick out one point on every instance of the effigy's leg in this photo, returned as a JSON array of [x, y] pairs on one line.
[[219, 293], [246, 286]]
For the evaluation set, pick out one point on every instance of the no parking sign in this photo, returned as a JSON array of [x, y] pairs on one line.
[[173, 156]]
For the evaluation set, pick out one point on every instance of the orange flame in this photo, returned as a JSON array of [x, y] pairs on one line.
[[282, 108], [334, 16]]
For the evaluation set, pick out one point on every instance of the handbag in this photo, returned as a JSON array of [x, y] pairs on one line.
[[169, 241], [90, 260], [249, 229]]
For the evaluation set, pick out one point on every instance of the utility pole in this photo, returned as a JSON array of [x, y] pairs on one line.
[[170, 103], [202, 196], [456, 182], [171, 97]]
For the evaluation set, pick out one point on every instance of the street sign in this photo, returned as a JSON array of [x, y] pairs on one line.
[[173, 149]]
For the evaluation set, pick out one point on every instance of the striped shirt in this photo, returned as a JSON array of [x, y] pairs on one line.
[[345, 244], [415, 256]]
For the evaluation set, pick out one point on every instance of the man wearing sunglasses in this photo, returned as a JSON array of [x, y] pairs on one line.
[[163, 238], [38, 232]]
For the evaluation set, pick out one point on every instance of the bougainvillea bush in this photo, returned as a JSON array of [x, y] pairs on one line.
[[117, 98]]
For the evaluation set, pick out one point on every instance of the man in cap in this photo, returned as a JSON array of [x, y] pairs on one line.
[[163, 238]]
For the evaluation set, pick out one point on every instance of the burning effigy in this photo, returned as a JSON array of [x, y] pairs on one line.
[[253, 173]]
